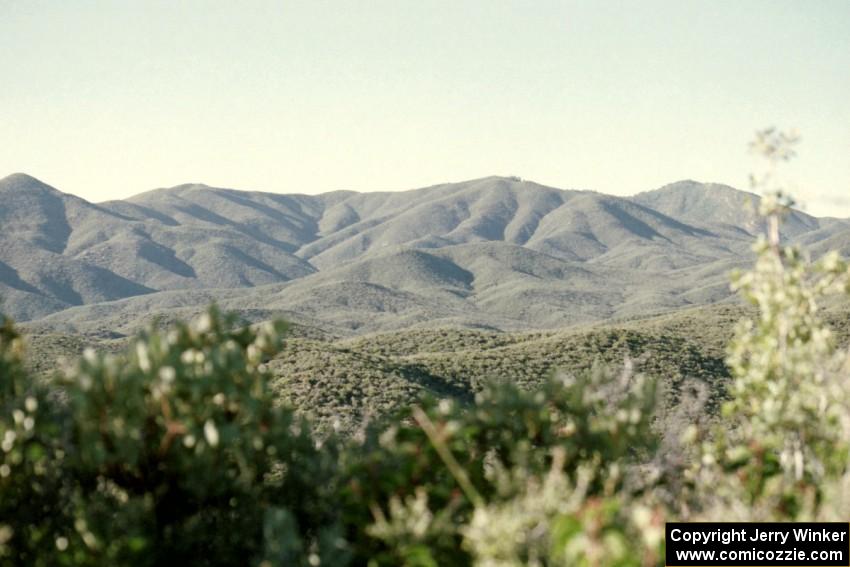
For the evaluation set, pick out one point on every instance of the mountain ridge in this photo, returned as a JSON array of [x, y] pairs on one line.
[[495, 251]]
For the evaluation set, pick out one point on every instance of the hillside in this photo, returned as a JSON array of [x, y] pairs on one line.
[[343, 381]]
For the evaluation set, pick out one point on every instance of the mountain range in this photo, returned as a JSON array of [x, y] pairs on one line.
[[495, 253]]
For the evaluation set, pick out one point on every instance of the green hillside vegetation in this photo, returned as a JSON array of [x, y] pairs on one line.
[[349, 380], [342, 383]]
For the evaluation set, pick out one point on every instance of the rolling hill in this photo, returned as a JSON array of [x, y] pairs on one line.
[[342, 382]]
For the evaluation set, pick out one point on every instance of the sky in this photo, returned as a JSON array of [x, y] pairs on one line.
[[109, 99]]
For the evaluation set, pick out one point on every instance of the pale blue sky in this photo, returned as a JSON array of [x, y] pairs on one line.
[[108, 99]]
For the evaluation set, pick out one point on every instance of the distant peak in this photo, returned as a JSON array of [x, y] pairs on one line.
[[190, 186], [176, 190], [691, 185], [508, 178], [23, 182], [184, 187], [685, 184], [19, 178]]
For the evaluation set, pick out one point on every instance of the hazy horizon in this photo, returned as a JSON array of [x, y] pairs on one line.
[[367, 191], [105, 101]]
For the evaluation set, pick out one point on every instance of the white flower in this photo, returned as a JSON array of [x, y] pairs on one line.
[[144, 358], [204, 324], [211, 433], [167, 374]]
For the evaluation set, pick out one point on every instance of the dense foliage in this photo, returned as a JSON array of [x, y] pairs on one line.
[[341, 383], [179, 449], [172, 450]]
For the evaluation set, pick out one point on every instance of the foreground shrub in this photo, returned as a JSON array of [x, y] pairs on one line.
[[30, 480], [447, 482], [174, 451], [785, 437]]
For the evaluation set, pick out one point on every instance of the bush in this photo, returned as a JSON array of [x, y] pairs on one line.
[[785, 437], [438, 479], [30, 449], [174, 451]]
